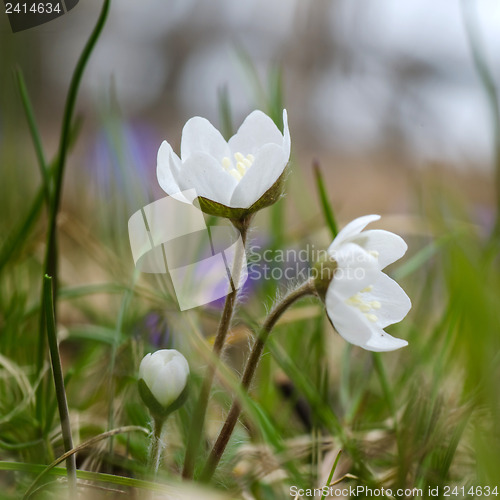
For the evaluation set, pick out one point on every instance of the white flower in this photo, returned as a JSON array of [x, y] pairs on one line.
[[235, 174], [165, 373], [361, 300]]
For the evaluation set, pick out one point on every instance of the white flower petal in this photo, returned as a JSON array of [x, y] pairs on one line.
[[383, 342], [287, 143], [389, 246], [164, 387], [168, 165], [348, 321], [392, 303], [256, 131], [203, 173], [268, 165], [182, 363], [356, 269], [353, 326], [149, 367], [352, 229], [200, 136], [144, 363]]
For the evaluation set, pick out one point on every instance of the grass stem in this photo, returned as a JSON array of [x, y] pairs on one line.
[[62, 404]]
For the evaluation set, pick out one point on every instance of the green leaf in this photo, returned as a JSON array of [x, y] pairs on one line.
[[325, 203]]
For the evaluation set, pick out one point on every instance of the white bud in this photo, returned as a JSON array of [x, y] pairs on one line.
[[165, 372]]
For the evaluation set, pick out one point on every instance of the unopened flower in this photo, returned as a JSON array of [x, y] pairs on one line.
[[163, 379], [231, 179], [360, 299]]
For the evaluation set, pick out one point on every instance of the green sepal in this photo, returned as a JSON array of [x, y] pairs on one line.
[[157, 410], [271, 196], [324, 271]]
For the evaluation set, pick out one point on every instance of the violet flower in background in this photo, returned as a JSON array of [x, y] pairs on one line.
[[124, 159], [154, 328]]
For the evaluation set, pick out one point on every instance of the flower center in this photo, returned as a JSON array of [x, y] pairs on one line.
[[367, 307], [242, 165]]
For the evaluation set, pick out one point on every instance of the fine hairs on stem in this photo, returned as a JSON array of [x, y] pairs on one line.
[[303, 290], [157, 445], [197, 421]]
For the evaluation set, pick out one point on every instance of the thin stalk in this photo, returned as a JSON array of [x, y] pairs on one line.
[[157, 445], [51, 251], [303, 290], [50, 263], [332, 472], [196, 428], [57, 373]]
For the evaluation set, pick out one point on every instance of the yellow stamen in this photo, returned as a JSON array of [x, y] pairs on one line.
[[236, 174], [242, 165], [365, 306], [226, 163], [241, 168]]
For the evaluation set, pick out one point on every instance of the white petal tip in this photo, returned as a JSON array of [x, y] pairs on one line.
[[384, 343], [164, 151]]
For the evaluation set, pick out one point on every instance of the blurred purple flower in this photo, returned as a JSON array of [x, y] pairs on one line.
[[124, 158], [154, 328]]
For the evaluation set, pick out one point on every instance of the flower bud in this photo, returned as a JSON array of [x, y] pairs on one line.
[[163, 379]]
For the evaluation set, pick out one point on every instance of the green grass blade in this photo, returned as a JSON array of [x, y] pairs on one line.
[[325, 203], [57, 374], [86, 475], [476, 46], [225, 113], [35, 135], [66, 131], [50, 265], [332, 472], [71, 453], [19, 236]]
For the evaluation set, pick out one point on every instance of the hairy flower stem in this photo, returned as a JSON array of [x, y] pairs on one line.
[[196, 428], [157, 445], [306, 288]]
